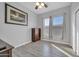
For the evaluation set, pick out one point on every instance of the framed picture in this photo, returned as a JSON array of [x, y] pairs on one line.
[[15, 16]]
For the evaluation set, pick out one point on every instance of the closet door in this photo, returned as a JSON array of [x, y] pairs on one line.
[[57, 28]]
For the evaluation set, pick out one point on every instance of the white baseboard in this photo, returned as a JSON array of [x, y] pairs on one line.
[[61, 50], [56, 41], [23, 44]]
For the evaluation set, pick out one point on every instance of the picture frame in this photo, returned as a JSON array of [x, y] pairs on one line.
[[15, 16]]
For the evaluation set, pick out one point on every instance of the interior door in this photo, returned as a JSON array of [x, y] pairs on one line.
[[57, 28]]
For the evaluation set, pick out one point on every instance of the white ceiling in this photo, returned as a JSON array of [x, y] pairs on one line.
[[51, 6]]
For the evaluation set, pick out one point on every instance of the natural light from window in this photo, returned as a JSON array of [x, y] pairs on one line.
[[58, 20], [46, 22]]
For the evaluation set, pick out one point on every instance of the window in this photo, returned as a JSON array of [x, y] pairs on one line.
[[58, 20], [46, 22]]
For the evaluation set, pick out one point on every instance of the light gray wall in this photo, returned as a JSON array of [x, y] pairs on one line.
[[16, 34], [60, 11], [75, 6]]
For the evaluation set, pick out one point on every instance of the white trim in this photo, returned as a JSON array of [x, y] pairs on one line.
[[56, 41], [23, 44], [61, 50]]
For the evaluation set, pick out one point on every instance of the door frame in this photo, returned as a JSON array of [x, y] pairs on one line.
[[76, 46]]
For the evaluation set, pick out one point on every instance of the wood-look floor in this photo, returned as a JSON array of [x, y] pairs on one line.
[[37, 49], [66, 48]]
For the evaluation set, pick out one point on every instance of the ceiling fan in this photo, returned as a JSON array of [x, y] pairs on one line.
[[39, 5]]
